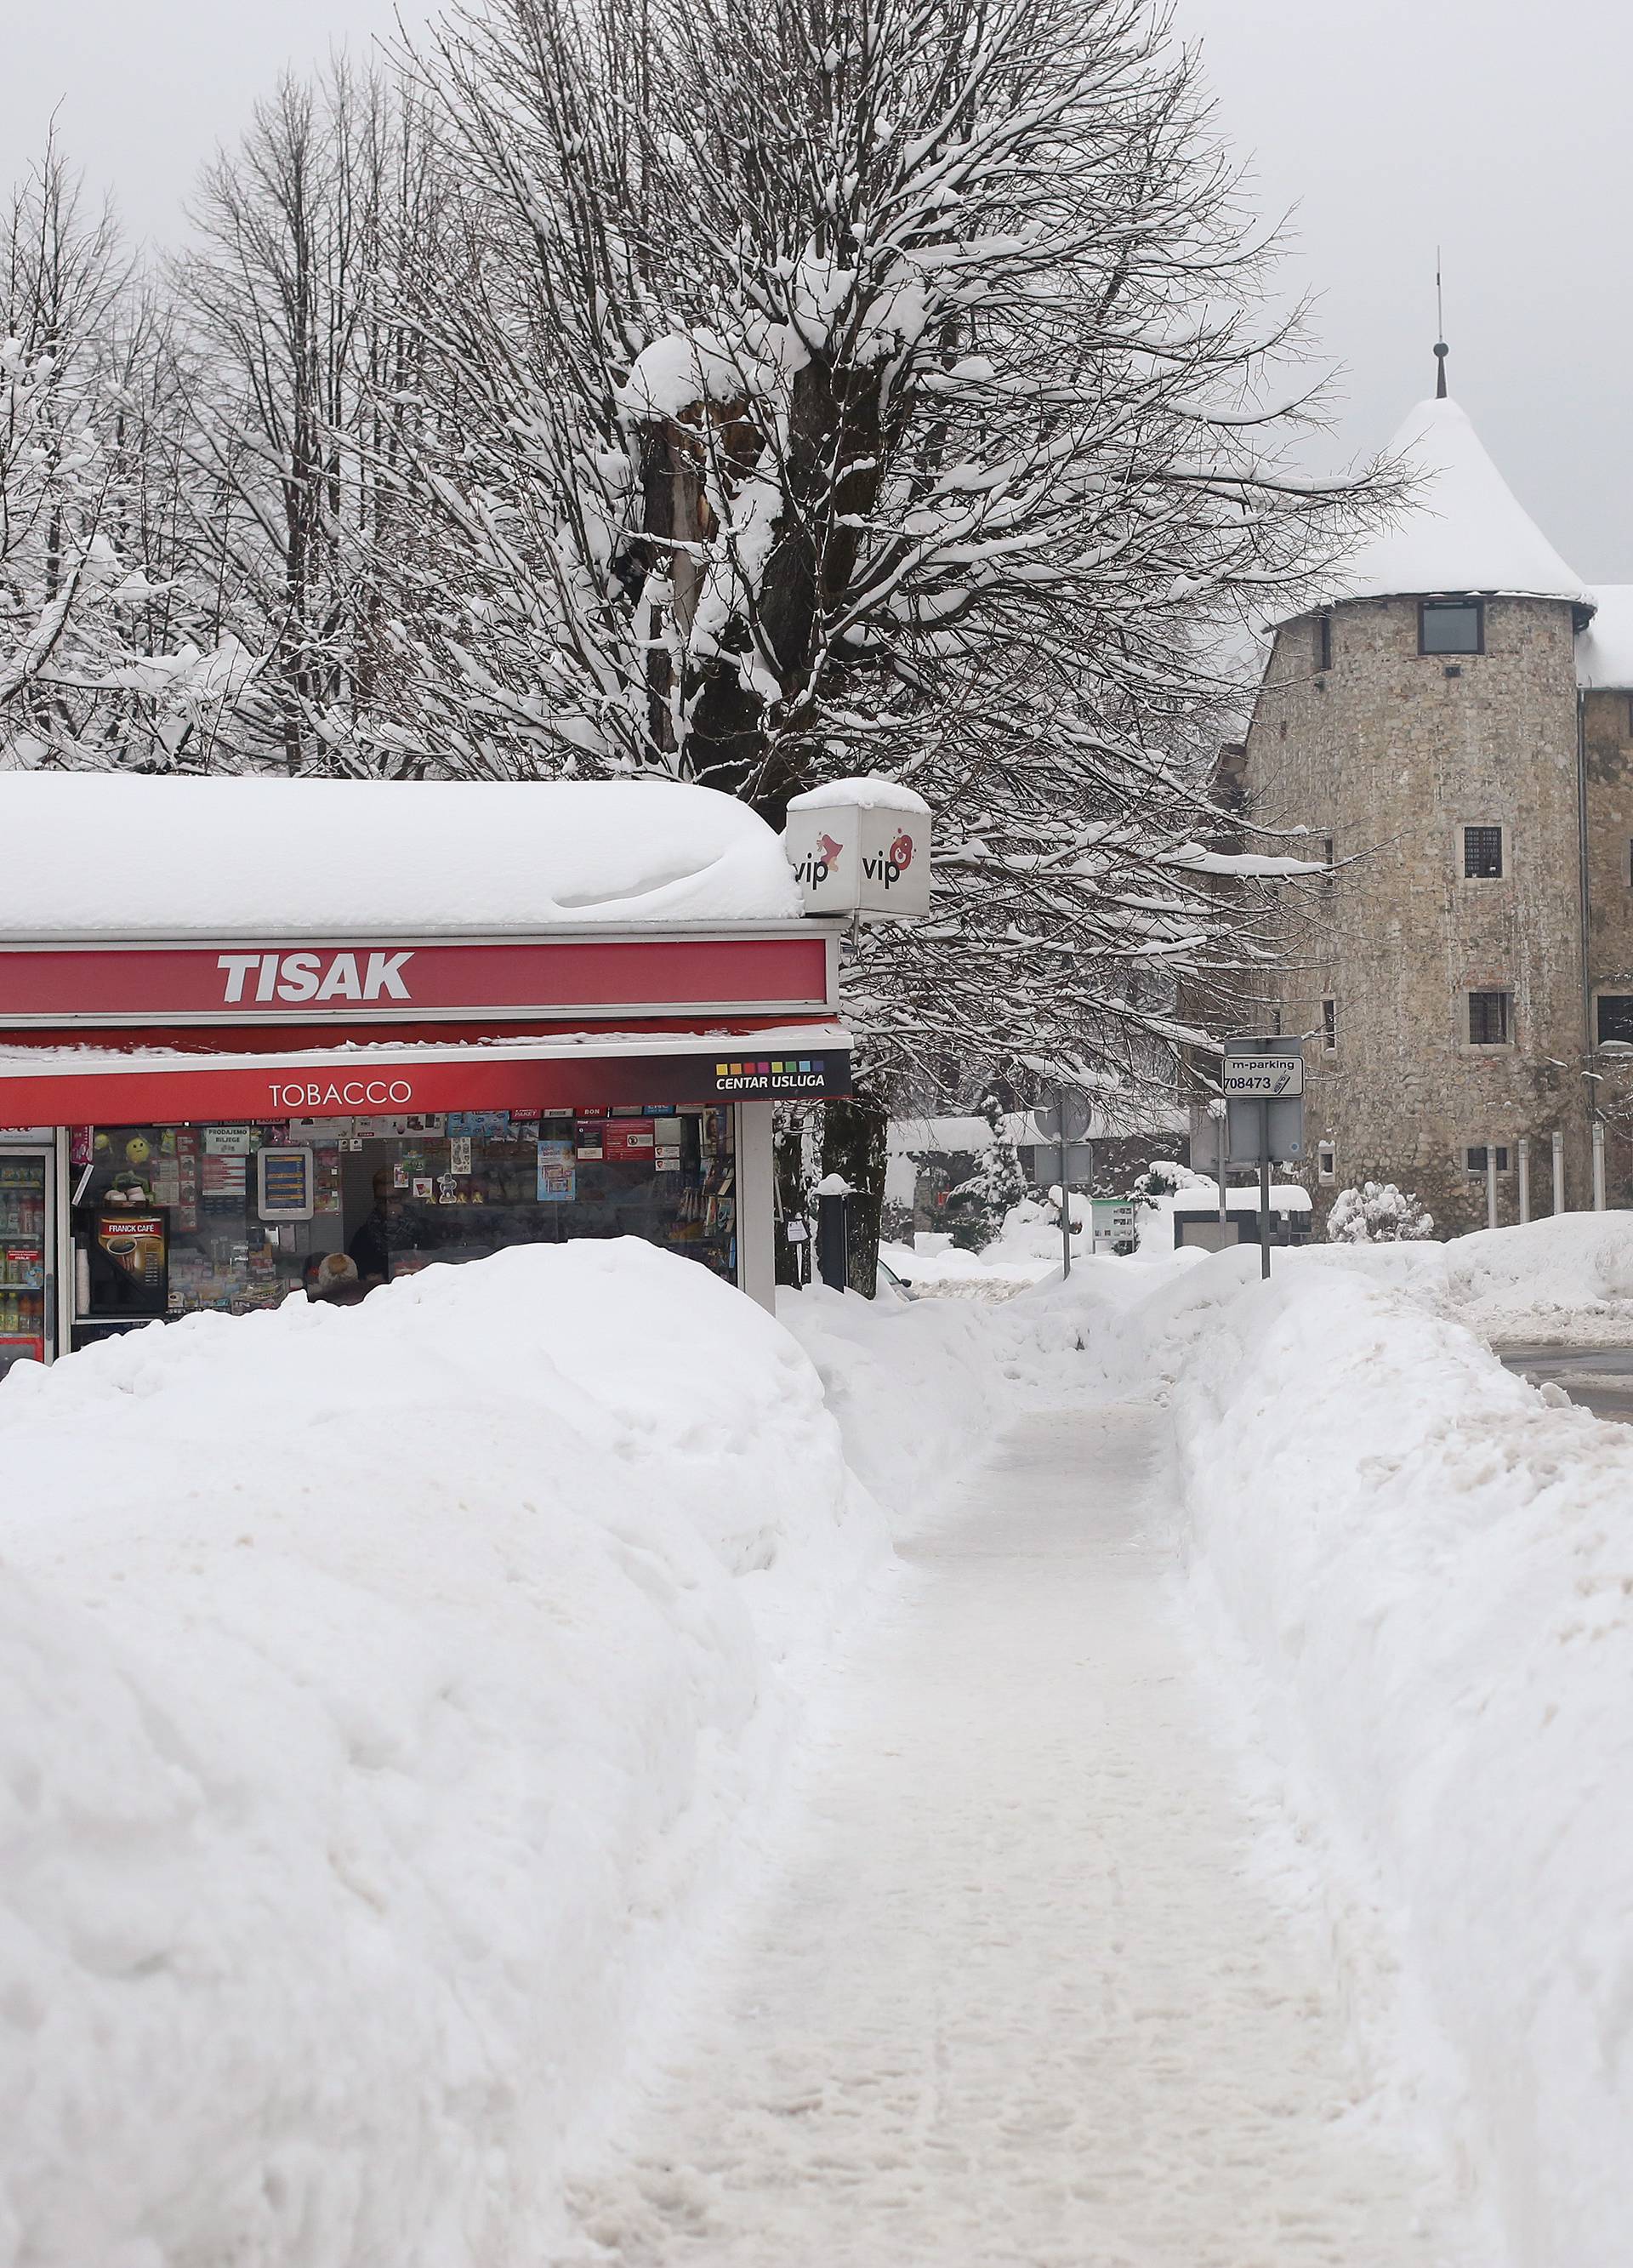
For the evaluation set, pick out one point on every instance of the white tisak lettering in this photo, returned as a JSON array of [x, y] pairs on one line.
[[267, 977], [301, 976], [384, 980], [238, 965], [400, 1091], [342, 982]]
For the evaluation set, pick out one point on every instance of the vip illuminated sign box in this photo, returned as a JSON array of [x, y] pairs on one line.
[[861, 846]]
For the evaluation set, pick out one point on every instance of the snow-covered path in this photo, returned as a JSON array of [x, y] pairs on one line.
[[1015, 1996]]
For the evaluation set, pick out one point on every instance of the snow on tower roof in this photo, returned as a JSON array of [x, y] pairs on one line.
[[1462, 529], [93, 854], [1604, 649]]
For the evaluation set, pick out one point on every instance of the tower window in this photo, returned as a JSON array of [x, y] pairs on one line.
[[1451, 626], [1475, 1159], [1482, 854], [1329, 1024], [1323, 641], [1326, 1162], [1490, 1019], [1615, 1019]]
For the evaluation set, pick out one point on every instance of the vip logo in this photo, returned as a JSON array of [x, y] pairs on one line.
[[818, 865], [314, 977], [890, 868]]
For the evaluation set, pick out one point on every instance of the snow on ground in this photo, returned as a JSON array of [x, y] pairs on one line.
[[370, 1797], [1568, 1278], [1430, 1568], [364, 1775], [1025, 1249], [918, 1389], [1016, 1998]]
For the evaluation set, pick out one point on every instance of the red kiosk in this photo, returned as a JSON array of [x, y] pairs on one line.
[[249, 1025]]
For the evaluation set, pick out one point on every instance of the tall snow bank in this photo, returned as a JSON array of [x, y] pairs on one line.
[[918, 1389], [378, 1689], [1567, 1277], [1433, 1570]]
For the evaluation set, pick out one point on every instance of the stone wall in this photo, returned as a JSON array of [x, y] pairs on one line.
[[1390, 753], [1607, 771]]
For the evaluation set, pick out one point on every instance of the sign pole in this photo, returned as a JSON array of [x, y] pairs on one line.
[[1065, 1200], [1264, 1191]]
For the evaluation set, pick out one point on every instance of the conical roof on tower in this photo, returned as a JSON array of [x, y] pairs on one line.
[[1462, 527]]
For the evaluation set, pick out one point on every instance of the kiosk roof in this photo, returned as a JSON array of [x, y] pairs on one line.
[[103, 855]]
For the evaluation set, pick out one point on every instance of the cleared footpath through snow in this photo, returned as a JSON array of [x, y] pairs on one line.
[[1015, 1994]]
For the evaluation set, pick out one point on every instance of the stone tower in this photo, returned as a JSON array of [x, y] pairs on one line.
[[1427, 730]]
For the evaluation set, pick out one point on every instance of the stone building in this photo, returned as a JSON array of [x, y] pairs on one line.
[[1453, 732]]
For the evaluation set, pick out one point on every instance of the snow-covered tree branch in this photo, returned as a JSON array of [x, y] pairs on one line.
[[877, 387]]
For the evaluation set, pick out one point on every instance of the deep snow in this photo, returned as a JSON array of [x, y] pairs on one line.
[[115, 855], [1214, 1848], [381, 1693], [1430, 1569]]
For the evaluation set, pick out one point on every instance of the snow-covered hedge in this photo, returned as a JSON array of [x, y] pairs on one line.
[[379, 1688], [1434, 1570]]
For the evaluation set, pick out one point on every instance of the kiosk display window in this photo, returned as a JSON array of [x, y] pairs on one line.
[[235, 1217]]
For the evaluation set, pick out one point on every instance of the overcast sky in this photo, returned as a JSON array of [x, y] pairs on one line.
[[1499, 129]]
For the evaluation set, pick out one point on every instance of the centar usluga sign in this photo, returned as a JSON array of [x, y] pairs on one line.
[[861, 846]]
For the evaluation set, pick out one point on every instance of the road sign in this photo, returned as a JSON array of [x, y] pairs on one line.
[[1261, 1076], [1078, 1110], [1281, 1137]]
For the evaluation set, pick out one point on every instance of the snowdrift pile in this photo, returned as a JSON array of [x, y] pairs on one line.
[[1433, 1570], [1567, 1279], [917, 1390], [378, 1691]]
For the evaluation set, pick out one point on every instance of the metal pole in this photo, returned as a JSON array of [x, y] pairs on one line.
[[1559, 1173], [1264, 1191], [1524, 1177], [1491, 1184], [1065, 1199], [1599, 1165], [1221, 1144]]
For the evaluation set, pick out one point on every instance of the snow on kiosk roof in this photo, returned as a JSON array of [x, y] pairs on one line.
[[116, 855], [1462, 529]]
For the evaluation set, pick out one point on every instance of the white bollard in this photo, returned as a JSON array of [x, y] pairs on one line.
[[1491, 1184], [1559, 1173], [1524, 1177], [1599, 1165]]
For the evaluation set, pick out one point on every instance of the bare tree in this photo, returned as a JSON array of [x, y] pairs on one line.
[[305, 380], [881, 386], [62, 271]]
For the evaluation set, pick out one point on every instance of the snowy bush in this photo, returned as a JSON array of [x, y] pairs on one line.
[[998, 1185], [1165, 1177], [1377, 1213]]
